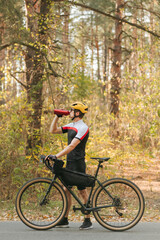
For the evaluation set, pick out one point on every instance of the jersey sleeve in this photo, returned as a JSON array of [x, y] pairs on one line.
[[82, 132], [65, 128]]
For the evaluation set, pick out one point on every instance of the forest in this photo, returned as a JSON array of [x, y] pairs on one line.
[[104, 53]]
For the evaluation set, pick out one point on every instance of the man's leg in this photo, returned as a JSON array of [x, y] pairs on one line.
[[84, 195], [87, 222], [69, 197], [64, 222]]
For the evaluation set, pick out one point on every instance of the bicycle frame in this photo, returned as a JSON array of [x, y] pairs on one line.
[[84, 207]]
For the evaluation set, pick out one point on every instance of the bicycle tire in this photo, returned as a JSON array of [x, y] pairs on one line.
[[34, 213], [126, 208]]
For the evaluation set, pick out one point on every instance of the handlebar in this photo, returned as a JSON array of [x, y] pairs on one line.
[[47, 162], [52, 164]]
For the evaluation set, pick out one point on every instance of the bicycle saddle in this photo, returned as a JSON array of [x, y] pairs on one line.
[[101, 159]]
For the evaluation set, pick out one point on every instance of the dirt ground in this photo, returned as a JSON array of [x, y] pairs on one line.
[[148, 180]]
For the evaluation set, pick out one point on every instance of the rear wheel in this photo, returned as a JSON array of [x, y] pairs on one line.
[[123, 204], [37, 210]]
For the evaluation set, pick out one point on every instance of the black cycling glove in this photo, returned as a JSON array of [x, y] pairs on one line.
[[59, 115]]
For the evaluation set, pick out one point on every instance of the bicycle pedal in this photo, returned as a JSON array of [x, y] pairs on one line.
[[75, 209]]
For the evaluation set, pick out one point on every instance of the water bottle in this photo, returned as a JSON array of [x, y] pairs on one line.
[[61, 112]]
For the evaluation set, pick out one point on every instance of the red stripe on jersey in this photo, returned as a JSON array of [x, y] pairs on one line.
[[84, 134], [66, 128]]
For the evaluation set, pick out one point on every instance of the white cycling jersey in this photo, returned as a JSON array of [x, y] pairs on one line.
[[77, 130]]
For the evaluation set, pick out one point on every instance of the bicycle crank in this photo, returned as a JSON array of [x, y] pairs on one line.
[[82, 209]]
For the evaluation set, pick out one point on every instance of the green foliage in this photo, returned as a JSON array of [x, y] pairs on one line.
[[11, 14], [82, 86]]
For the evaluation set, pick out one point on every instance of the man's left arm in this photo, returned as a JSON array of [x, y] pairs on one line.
[[69, 148]]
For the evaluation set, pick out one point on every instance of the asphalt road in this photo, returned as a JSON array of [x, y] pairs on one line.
[[18, 231]]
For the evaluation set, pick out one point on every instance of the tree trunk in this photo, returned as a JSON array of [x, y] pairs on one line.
[[105, 64], [152, 45], [66, 47], [92, 47], [82, 45], [2, 59], [35, 71], [134, 62], [116, 64], [97, 47]]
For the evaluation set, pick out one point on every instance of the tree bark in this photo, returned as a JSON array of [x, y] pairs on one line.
[[97, 47], [2, 58], [105, 65], [35, 71], [82, 45], [66, 47], [92, 47], [116, 63]]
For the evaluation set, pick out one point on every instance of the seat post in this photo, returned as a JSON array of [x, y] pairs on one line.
[[99, 165]]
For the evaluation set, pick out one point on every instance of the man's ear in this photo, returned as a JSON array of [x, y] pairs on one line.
[[77, 113]]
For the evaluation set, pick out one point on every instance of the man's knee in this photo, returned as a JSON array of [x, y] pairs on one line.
[[83, 193]]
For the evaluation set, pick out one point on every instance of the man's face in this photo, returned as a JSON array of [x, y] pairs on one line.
[[72, 113]]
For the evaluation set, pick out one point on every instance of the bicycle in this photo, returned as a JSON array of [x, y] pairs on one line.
[[117, 204]]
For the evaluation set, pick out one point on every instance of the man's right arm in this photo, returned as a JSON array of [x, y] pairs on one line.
[[54, 127]]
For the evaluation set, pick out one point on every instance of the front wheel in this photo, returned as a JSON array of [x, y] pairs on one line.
[[40, 210], [120, 204]]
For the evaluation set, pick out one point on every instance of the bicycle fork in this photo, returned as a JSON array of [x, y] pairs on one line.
[[44, 200]]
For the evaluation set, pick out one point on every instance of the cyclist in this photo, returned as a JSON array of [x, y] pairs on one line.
[[78, 133]]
